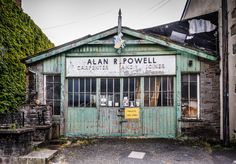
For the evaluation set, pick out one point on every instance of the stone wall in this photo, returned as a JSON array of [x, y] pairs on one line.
[[34, 118], [208, 125], [15, 142]]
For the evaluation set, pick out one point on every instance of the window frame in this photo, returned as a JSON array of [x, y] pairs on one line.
[[107, 93], [45, 91], [161, 92], [84, 92], [189, 92]]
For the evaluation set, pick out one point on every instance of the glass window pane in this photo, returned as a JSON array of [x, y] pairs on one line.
[[146, 99], [185, 109], [93, 84], [193, 109], [131, 85], [193, 90], [93, 99], [87, 84], [193, 78], [131, 96], [184, 90], [49, 92], [146, 84], [76, 85], [117, 100], [170, 84], [152, 84], [164, 84], [153, 99], [184, 78], [49, 79], [82, 85], [57, 108], [103, 85], [158, 96], [57, 91], [70, 85], [159, 100], [76, 99], [125, 85], [57, 79], [82, 104], [158, 84], [110, 85], [87, 100], [70, 99], [117, 85], [164, 100]]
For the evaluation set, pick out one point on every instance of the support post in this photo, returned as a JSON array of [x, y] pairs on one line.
[[225, 72]]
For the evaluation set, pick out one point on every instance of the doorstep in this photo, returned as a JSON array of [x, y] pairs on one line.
[[41, 156]]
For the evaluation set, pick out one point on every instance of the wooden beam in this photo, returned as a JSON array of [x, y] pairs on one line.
[[108, 42], [168, 44], [123, 54]]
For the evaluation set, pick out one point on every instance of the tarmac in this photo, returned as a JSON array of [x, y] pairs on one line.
[[141, 151]]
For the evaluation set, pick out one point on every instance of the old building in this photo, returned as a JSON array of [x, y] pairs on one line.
[[226, 12], [125, 82]]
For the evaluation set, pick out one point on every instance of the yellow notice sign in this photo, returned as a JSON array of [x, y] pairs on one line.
[[132, 113]]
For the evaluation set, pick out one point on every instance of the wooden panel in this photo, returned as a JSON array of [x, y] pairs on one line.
[[82, 122], [159, 122], [52, 65], [110, 49], [185, 63], [108, 122]]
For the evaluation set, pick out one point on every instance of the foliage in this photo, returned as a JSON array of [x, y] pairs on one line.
[[19, 37]]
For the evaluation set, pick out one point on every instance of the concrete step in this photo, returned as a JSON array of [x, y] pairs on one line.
[[41, 156]]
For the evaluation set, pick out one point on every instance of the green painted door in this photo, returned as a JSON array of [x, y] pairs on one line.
[[106, 120]]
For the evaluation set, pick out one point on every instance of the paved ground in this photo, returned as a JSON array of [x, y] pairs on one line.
[[157, 151]]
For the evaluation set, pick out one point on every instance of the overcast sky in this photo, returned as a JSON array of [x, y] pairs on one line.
[[65, 20]]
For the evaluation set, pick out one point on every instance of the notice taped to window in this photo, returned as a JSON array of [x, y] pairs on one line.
[[132, 113]]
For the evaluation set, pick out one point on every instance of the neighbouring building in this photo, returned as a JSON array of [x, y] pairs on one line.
[[227, 52], [153, 82]]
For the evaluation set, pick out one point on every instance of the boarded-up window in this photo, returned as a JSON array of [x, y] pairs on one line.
[[158, 91], [189, 88], [53, 93]]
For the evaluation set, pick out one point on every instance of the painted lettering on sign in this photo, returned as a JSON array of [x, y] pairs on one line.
[[132, 113], [120, 66]]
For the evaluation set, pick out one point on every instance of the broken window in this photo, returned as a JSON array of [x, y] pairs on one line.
[[189, 88], [82, 92], [110, 92], [158, 91], [53, 92]]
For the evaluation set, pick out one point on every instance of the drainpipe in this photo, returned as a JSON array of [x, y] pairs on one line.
[[225, 72]]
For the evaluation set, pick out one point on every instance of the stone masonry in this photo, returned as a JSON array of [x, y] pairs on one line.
[[208, 126]]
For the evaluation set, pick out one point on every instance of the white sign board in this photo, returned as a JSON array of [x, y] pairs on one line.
[[120, 66]]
